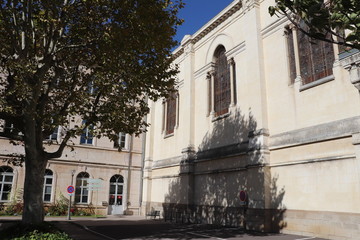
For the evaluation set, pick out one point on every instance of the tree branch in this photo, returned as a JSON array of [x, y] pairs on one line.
[[61, 148]]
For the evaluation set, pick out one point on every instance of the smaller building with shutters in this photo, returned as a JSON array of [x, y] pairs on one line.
[[106, 181]]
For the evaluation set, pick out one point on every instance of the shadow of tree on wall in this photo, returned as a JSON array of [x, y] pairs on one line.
[[232, 157]]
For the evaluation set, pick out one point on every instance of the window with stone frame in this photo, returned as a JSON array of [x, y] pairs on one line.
[[222, 87], [82, 190], [48, 181], [87, 135], [6, 182], [315, 57], [122, 141], [171, 112]]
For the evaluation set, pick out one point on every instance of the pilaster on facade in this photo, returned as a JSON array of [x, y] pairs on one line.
[[259, 147], [188, 90], [231, 63], [254, 48]]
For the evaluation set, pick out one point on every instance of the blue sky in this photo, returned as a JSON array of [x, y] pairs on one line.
[[196, 13]]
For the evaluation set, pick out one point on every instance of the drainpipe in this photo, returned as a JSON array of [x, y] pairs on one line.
[[143, 148], [129, 171]]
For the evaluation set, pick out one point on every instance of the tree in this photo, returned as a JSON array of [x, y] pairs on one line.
[[95, 59], [336, 21]]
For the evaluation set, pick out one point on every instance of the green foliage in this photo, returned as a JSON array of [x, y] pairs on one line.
[[59, 208], [16, 206], [44, 231], [96, 60], [36, 235], [324, 21], [87, 211]]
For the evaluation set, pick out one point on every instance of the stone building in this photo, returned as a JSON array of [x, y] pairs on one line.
[[105, 180], [261, 110]]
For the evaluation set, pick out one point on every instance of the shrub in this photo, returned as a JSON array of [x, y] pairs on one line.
[[43, 231], [14, 208], [36, 235], [59, 208], [87, 211]]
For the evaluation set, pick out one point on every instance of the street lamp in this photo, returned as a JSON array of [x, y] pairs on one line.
[[72, 177]]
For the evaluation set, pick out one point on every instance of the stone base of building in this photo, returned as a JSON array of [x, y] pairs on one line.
[[251, 219], [329, 225]]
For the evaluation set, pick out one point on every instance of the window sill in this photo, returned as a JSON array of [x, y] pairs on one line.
[[316, 83], [168, 135], [217, 118]]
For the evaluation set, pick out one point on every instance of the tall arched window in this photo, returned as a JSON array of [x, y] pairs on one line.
[[116, 190], [48, 181], [6, 182], [222, 87], [82, 191]]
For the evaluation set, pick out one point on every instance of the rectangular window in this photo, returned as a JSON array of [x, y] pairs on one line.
[[87, 136], [6, 181], [8, 127], [171, 114], [316, 58], [48, 180], [54, 135], [121, 141]]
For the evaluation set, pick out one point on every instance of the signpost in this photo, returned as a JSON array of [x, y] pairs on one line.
[[95, 185], [70, 190], [243, 202]]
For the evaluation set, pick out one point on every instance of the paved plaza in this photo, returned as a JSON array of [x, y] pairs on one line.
[[134, 227]]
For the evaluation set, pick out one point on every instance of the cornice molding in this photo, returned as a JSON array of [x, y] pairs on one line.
[[210, 26]]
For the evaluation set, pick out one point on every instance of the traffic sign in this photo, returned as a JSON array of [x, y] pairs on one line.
[[243, 196], [70, 189]]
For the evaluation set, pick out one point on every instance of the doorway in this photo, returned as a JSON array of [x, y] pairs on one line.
[[116, 195]]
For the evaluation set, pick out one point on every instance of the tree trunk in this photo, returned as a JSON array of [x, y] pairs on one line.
[[33, 212], [35, 164]]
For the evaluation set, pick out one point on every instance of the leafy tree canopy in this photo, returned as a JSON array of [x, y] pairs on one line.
[[324, 20], [94, 59]]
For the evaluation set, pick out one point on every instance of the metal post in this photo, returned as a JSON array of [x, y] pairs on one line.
[[72, 177]]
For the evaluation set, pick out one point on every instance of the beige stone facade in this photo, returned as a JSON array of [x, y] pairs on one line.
[[99, 161], [292, 147]]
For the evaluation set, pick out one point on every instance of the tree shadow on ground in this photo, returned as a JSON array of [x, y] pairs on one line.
[[232, 157]]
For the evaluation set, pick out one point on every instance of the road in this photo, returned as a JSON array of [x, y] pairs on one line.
[[158, 229]]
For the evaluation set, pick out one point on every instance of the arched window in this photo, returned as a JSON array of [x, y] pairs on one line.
[[116, 190], [48, 181], [82, 191], [6, 182], [222, 88]]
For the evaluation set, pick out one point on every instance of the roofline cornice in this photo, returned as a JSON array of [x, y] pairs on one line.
[[211, 25]]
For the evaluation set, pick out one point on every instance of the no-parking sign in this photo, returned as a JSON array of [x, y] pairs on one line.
[[70, 189]]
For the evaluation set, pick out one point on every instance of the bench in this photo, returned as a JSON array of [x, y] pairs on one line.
[[153, 214]]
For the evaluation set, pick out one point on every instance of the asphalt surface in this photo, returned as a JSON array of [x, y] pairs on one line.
[[135, 227]]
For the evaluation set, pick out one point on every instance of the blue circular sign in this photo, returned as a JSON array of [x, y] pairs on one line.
[[70, 189]]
